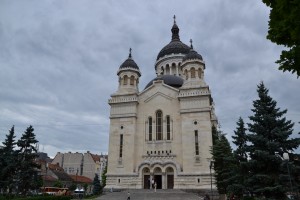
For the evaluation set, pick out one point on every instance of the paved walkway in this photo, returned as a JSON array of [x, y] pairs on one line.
[[150, 195]]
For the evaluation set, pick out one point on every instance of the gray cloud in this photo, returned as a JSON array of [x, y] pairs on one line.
[[59, 59]]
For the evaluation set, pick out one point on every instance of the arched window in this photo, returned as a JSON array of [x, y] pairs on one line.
[[159, 125], [150, 128], [132, 80], [173, 68], [168, 69], [199, 73], [168, 128], [125, 80], [186, 74], [193, 73]]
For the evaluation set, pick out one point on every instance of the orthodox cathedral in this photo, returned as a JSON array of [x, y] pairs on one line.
[[162, 135]]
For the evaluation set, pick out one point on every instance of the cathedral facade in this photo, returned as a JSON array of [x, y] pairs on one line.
[[162, 134]]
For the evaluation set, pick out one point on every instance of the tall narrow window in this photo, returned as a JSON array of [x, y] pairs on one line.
[[168, 128], [193, 73], [199, 73], [186, 74], [196, 143], [125, 80], [121, 146], [132, 80], [150, 128], [159, 125]]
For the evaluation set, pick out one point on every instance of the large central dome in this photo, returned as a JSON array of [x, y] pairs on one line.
[[175, 46]]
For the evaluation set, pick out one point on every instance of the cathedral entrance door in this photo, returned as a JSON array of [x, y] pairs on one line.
[[158, 180], [170, 178], [170, 181], [146, 181], [146, 178]]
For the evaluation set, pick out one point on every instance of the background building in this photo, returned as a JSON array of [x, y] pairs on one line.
[[86, 164], [164, 132]]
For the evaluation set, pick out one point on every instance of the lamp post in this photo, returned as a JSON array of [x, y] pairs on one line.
[[210, 167], [286, 158]]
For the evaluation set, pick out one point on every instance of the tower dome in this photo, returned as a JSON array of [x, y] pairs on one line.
[[175, 46], [192, 55], [129, 64]]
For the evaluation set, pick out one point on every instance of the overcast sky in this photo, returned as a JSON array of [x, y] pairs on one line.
[[59, 59]]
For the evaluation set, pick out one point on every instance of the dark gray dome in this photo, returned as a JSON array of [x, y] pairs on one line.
[[171, 80], [192, 55], [129, 62], [175, 46]]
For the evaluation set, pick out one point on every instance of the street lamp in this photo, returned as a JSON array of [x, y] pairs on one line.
[[210, 167], [286, 158]]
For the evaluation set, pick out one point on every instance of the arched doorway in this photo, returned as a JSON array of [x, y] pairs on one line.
[[170, 178], [146, 178], [158, 177]]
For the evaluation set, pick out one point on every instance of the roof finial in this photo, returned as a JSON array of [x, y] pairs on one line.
[[130, 52], [191, 41], [174, 19]]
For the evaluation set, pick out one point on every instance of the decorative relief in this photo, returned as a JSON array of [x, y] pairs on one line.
[[194, 93], [123, 99]]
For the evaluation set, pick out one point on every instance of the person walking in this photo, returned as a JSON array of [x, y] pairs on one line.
[[128, 195]]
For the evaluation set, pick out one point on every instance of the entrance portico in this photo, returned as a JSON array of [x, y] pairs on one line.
[[163, 176]]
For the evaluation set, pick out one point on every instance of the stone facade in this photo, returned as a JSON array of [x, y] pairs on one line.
[[163, 133]]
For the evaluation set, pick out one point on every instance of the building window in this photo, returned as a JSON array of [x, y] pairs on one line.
[[193, 73], [168, 128], [150, 128], [199, 73], [125, 80], [121, 146], [159, 125], [196, 143], [132, 80], [186, 74]]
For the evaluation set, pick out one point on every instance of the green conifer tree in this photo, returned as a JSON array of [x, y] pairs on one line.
[[269, 135], [96, 185], [222, 156], [239, 170], [27, 154], [8, 157]]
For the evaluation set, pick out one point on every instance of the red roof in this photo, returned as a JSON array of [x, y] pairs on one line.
[[81, 179], [48, 178]]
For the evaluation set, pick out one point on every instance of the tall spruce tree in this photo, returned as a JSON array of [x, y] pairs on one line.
[[8, 157], [222, 156], [96, 185], [27, 154], [269, 135], [239, 170]]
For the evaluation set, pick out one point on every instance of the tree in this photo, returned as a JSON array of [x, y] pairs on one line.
[[27, 154], [239, 171], [96, 184], [8, 164], [269, 135], [222, 156], [284, 29], [215, 134], [103, 177]]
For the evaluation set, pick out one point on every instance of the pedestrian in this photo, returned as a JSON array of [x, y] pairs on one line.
[[206, 197], [128, 195], [155, 185], [152, 183]]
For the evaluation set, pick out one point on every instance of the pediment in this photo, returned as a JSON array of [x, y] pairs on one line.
[[159, 95]]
